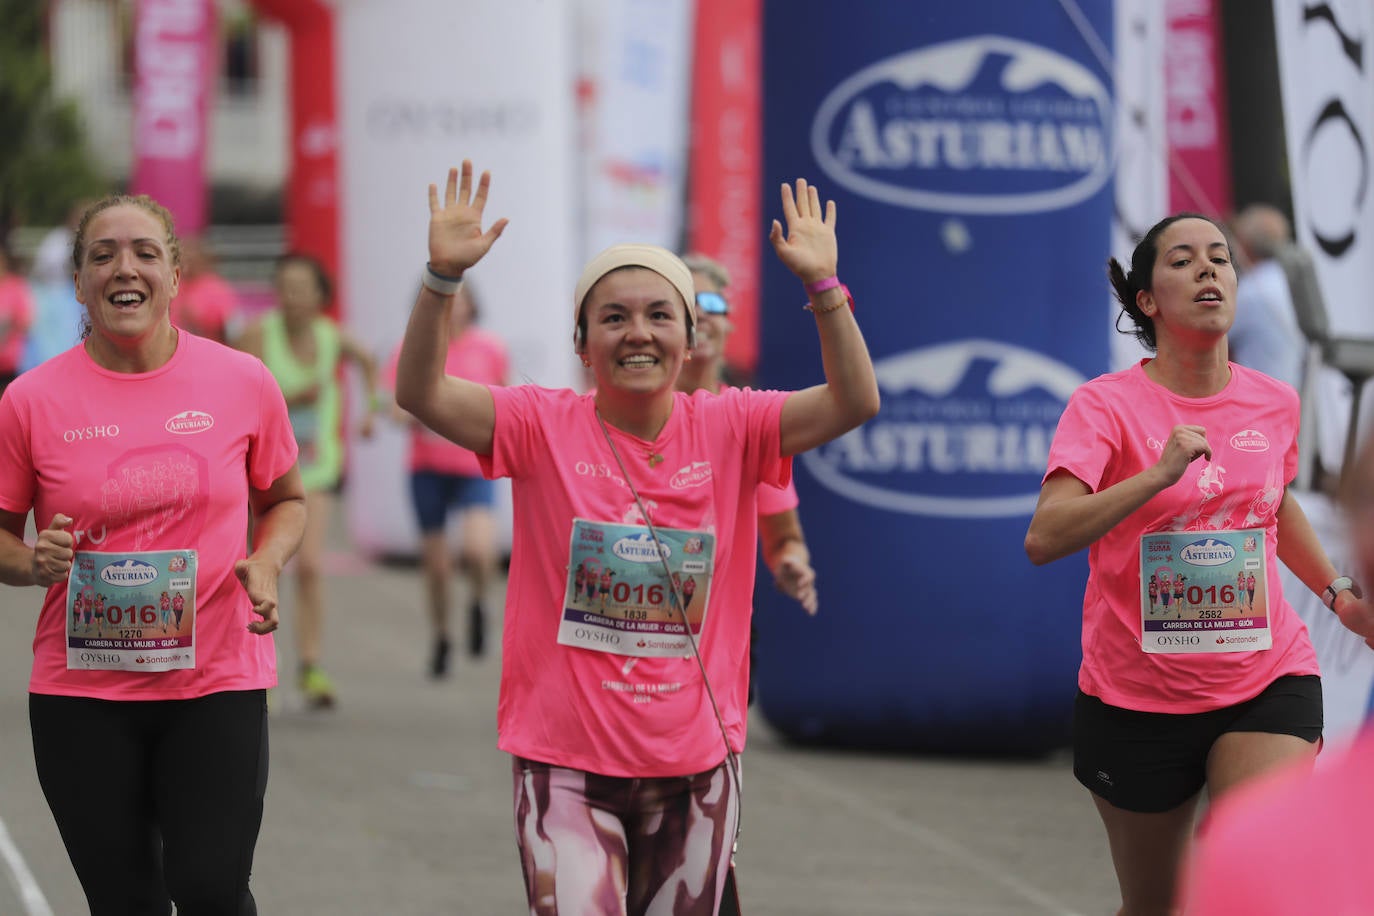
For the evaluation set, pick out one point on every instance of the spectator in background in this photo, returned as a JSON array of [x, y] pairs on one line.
[[206, 304], [16, 314], [1298, 843], [445, 478], [1265, 335], [57, 319], [303, 348], [780, 532]]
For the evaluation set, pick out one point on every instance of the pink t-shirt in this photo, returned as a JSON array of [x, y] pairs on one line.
[[478, 357], [16, 314], [584, 709], [1290, 843], [1113, 428], [150, 461], [205, 304], [772, 500]]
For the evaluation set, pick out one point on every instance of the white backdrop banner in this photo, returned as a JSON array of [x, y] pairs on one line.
[[1142, 174], [424, 84], [633, 86]]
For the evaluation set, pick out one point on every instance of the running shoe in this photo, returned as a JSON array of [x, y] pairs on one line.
[[438, 662], [317, 687]]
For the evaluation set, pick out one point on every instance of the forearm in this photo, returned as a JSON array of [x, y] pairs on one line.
[[277, 532], [794, 549], [420, 368], [848, 368], [16, 560], [782, 539], [1065, 526], [1300, 549]]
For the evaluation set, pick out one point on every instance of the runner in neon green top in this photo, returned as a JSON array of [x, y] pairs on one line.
[[303, 348]]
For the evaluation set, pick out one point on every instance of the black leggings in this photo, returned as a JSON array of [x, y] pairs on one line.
[[157, 801]]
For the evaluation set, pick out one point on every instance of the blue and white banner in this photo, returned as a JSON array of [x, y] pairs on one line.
[[970, 149]]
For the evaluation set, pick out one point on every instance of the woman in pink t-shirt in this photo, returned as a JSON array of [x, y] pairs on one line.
[[625, 776], [446, 480], [1181, 456], [192, 438]]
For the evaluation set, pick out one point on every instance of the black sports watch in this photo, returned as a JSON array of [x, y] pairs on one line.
[[1338, 585]]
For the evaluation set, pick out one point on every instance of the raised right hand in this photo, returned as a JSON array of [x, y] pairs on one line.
[[53, 552], [456, 239], [1186, 444]]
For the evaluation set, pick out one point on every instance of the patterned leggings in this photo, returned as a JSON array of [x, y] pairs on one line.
[[594, 845]]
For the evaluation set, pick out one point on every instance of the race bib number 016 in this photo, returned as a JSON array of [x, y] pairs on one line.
[[1204, 592], [620, 599]]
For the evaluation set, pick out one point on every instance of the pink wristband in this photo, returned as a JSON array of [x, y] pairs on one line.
[[821, 286]]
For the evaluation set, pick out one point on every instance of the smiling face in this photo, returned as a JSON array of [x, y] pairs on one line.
[[636, 331], [127, 276], [1193, 294]]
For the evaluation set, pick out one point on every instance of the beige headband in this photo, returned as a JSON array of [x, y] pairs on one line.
[[660, 260]]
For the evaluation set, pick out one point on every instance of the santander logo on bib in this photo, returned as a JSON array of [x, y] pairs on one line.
[[1250, 440], [189, 422]]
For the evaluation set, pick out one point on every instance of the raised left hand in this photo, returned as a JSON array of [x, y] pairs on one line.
[[809, 248]]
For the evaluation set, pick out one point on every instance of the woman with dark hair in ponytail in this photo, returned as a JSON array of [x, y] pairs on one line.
[[1180, 464]]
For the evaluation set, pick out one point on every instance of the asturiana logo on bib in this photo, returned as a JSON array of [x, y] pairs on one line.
[[964, 432], [984, 124], [1250, 440], [188, 422], [639, 548], [128, 573], [1207, 552]]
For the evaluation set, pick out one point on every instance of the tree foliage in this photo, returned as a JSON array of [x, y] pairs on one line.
[[44, 164]]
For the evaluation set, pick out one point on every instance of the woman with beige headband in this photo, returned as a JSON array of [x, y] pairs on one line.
[[624, 723]]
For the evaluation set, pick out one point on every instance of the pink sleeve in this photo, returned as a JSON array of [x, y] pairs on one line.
[[273, 449], [756, 418], [16, 462], [519, 431], [774, 500], [1085, 443]]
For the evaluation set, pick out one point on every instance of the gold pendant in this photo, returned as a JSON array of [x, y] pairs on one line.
[[654, 458]]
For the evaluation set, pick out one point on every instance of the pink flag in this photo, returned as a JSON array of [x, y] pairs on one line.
[[174, 57]]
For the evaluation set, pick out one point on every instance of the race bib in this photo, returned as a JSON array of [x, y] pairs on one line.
[[618, 597], [1204, 592], [132, 611]]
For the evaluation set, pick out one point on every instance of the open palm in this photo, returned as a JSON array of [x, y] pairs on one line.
[[456, 239]]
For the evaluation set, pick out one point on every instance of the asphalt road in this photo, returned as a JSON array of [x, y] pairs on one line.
[[397, 802]]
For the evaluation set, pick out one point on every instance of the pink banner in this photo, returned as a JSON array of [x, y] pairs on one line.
[[175, 51], [1195, 109], [724, 173], [312, 197]]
